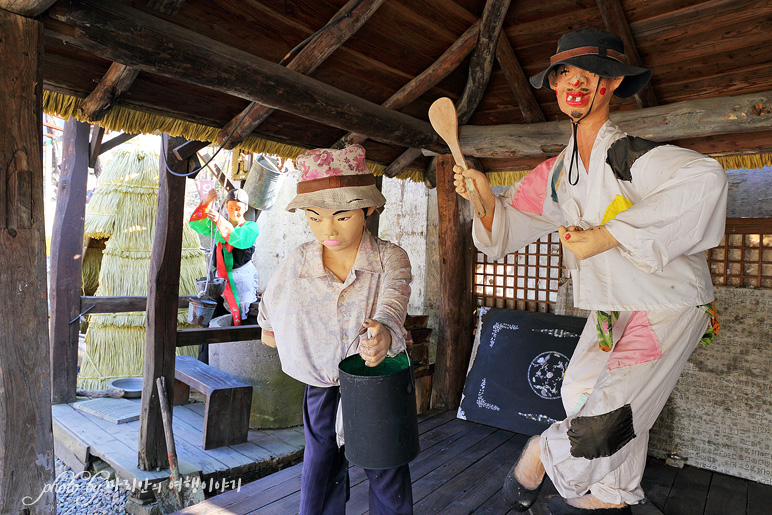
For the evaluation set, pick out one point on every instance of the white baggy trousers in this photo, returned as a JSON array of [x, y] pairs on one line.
[[613, 399]]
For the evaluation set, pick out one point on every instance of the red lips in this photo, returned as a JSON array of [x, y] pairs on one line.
[[577, 98]]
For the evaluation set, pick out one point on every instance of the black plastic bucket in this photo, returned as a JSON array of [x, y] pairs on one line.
[[380, 425]]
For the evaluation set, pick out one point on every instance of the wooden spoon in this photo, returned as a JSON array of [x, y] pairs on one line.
[[443, 117]]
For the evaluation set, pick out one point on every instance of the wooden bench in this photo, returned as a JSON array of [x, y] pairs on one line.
[[228, 401]]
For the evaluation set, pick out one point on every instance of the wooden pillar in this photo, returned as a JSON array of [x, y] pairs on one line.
[[162, 297], [26, 440], [67, 261], [456, 251]]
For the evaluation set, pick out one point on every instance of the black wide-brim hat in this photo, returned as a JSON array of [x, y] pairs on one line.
[[598, 52]]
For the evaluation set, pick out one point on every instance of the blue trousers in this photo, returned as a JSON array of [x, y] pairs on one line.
[[324, 486]]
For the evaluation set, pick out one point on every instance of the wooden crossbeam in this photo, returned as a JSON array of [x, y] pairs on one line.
[[115, 82], [307, 60], [689, 119], [122, 34], [518, 82], [122, 304], [426, 80], [480, 68], [615, 20], [114, 142], [206, 335]]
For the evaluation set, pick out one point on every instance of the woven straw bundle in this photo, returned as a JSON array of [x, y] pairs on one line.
[[123, 211]]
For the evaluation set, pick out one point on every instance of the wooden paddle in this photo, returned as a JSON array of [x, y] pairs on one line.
[[443, 117]]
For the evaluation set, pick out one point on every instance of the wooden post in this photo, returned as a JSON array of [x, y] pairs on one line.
[[26, 440], [67, 261], [456, 251], [162, 297]]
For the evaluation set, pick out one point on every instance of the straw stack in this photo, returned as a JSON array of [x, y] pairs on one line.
[[123, 210]]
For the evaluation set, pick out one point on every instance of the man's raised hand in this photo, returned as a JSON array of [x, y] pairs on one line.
[[586, 243]]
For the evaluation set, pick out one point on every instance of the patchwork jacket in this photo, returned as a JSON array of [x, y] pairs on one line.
[[664, 204]]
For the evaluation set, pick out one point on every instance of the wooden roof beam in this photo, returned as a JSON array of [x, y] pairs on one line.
[[120, 33], [427, 79], [480, 69], [616, 22], [30, 8], [518, 82], [115, 83], [682, 120], [306, 61], [166, 6]]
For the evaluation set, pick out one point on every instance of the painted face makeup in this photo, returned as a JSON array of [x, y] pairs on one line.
[[338, 231], [575, 89], [236, 211]]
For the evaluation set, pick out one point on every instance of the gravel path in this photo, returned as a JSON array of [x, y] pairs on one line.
[[88, 493]]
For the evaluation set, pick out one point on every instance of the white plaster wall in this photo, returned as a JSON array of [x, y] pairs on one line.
[[750, 192], [280, 231], [403, 221]]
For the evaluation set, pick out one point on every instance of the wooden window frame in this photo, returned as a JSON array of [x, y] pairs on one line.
[[743, 259], [751, 267]]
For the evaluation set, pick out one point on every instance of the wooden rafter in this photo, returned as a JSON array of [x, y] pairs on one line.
[[689, 119], [166, 6], [120, 33], [518, 82], [616, 22], [115, 82], [307, 60], [480, 69], [426, 80], [29, 8]]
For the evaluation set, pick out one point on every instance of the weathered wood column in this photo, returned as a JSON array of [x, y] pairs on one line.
[[454, 344], [162, 297], [67, 261], [26, 441]]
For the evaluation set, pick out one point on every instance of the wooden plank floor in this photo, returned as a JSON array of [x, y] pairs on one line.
[[460, 471], [81, 436]]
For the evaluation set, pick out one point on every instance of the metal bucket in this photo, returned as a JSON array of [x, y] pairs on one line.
[[262, 181], [200, 311], [379, 401], [214, 289]]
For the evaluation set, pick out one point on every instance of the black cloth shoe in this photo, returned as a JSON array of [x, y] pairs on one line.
[[515, 494], [558, 506]]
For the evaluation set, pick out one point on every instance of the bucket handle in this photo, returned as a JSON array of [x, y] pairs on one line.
[[364, 330]]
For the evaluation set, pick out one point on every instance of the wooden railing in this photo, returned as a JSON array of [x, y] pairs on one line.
[[185, 337]]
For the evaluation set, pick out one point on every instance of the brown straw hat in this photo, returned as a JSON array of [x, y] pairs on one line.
[[335, 179], [598, 52]]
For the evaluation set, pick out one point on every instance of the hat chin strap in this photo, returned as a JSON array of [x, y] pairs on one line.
[[575, 150]]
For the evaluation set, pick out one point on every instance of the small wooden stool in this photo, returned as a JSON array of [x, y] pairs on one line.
[[228, 401]]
